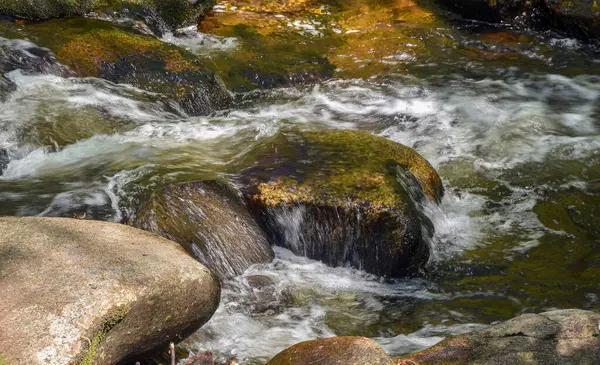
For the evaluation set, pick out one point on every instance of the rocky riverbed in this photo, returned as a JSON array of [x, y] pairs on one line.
[[350, 182]]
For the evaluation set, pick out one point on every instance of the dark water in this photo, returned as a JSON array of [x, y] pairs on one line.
[[510, 118]]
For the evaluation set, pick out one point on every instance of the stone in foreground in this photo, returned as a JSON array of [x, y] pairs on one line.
[[91, 292], [344, 197], [210, 220], [333, 351], [561, 337]]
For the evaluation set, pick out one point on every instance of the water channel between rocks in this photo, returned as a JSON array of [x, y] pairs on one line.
[[510, 119]]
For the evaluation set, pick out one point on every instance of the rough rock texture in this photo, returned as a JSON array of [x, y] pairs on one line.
[[579, 17], [211, 221], [92, 292], [343, 197], [561, 337], [96, 48], [174, 12], [336, 350]]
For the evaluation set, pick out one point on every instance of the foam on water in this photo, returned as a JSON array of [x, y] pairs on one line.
[[255, 323], [190, 39]]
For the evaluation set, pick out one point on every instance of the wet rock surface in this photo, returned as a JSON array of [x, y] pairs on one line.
[[95, 293], [97, 48], [211, 221], [344, 197], [561, 337]]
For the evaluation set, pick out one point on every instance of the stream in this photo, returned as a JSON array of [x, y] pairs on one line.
[[510, 119]]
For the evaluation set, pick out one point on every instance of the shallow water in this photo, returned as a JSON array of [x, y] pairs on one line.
[[514, 131]]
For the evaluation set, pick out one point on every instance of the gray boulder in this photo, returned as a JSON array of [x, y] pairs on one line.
[[561, 337], [92, 292]]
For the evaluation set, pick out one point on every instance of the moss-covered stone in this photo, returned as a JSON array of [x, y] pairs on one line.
[[100, 49], [344, 197], [294, 42], [336, 350], [174, 12], [210, 220]]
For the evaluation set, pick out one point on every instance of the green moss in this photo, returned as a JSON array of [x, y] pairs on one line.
[[571, 211], [113, 318], [4, 360], [336, 168]]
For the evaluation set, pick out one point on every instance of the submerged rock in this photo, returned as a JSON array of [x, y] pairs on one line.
[[561, 337], [92, 292], [211, 221], [174, 12], [100, 49], [572, 211], [93, 204], [344, 197], [335, 350]]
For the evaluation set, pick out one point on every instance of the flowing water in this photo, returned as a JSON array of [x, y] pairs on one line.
[[509, 118]]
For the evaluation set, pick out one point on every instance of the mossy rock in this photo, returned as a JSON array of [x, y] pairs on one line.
[[572, 211], [210, 220], [175, 13], [100, 49], [344, 197]]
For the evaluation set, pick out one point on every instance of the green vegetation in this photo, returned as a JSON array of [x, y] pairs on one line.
[[113, 318]]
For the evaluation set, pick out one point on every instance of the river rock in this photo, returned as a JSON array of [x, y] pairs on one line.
[[578, 17], [95, 48], [211, 221], [336, 350], [91, 292], [175, 13], [344, 197], [561, 337]]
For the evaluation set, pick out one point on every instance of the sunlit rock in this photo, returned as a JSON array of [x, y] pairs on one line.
[[335, 350], [90, 292], [210, 220], [344, 197], [561, 337]]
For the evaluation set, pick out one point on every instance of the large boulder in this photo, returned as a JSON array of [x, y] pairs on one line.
[[561, 337], [579, 17], [335, 350], [344, 197], [95, 48], [174, 12], [91, 292], [211, 221]]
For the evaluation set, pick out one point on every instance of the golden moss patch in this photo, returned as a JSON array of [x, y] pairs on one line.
[[338, 168]]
